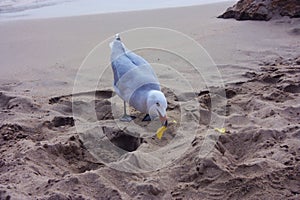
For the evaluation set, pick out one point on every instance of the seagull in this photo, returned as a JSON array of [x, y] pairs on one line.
[[136, 83]]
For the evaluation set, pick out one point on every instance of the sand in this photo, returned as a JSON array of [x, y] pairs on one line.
[[53, 139]]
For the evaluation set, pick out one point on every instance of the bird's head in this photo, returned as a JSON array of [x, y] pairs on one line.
[[157, 106]]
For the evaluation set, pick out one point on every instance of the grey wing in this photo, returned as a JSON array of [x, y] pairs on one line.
[[121, 66], [140, 61], [136, 59]]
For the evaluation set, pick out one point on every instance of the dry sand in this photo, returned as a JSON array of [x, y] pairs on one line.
[[43, 156]]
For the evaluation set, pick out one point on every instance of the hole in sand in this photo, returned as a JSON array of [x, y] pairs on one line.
[[127, 142], [292, 89], [121, 139]]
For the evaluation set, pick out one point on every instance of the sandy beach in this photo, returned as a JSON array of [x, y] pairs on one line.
[[53, 137]]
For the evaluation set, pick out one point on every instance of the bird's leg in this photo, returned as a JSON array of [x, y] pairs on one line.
[[125, 117]]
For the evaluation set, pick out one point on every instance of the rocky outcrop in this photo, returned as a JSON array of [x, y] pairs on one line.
[[262, 9]]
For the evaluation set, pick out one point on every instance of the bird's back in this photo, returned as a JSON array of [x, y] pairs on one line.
[[133, 75]]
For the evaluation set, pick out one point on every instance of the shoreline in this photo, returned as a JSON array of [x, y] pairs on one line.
[[20, 15]]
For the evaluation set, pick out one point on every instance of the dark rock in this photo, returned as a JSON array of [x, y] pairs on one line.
[[262, 9]]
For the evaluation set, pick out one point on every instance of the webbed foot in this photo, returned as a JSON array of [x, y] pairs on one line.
[[127, 118], [147, 118]]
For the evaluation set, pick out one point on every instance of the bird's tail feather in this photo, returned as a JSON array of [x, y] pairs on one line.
[[117, 37]]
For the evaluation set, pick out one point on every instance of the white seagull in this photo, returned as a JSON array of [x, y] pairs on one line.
[[136, 83]]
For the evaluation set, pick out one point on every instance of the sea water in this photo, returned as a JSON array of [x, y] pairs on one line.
[[30, 9]]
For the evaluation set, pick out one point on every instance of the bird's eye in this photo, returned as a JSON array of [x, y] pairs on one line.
[[157, 104]]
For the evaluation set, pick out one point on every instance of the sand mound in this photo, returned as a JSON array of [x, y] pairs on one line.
[[255, 158]]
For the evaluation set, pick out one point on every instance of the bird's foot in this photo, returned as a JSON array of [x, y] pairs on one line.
[[127, 118], [147, 118]]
